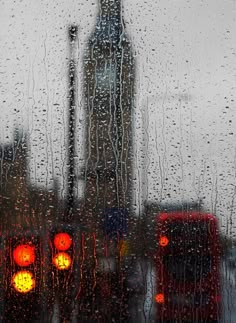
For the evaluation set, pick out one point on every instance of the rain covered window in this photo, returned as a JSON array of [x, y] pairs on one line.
[[117, 161]]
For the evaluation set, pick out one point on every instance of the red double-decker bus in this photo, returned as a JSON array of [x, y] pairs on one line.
[[188, 267]]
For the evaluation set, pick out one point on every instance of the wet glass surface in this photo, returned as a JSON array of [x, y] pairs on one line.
[[117, 161]]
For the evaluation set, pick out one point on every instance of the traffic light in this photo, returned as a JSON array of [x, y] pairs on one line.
[[22, 278], [62, 245], [63, 254], [64, 268]]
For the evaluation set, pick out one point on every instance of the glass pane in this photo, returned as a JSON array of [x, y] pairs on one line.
[[117, 152]]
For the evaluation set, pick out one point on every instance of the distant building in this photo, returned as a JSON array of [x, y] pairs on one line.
[[109, 77], [22, 206]]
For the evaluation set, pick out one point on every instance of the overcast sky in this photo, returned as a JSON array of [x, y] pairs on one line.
[[185, 113]]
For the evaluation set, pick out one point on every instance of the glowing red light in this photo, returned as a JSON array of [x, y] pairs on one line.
[[160, 298], [163, 241], [24, 255], [62, 241]]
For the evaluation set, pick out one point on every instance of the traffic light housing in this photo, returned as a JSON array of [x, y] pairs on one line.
[[62, 249], [23, 262], [63, 276]]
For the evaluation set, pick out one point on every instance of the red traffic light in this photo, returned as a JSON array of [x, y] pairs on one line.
[[24, 255], [62, 241]]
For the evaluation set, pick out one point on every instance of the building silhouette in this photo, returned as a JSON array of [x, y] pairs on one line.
[[108, 83], [109, 74], [22, 205]]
